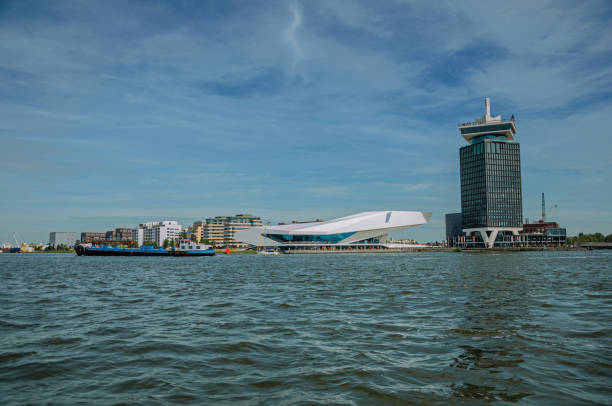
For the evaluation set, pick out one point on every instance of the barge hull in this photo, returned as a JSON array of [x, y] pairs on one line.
[[84, 251]]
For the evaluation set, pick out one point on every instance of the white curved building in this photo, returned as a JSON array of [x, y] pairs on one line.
[[367, 228]]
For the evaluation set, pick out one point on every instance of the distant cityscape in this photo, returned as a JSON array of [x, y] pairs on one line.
[[215, 231], [491, 212]]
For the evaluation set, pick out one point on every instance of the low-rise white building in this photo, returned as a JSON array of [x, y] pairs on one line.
[[158, 232], [367, 229]]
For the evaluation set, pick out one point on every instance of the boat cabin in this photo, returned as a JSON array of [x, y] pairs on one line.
[[184, 244]]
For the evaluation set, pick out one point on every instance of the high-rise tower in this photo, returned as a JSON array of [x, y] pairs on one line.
[[491, 197]]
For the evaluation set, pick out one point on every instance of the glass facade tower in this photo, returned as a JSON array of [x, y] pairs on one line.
[[491, 197], [491, 184]]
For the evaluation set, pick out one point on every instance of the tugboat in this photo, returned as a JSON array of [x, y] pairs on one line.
[[183, 248]]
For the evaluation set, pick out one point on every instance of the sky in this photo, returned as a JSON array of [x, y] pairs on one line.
[[114, 113]]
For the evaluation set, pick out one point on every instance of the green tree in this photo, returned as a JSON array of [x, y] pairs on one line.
[[595, 237], [166, 243], [149, 243]]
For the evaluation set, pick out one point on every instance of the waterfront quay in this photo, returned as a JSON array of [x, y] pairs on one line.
[[398, 250], [358, 250]]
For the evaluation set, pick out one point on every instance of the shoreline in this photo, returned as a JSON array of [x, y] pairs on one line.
[[387, 251], [435, 249]]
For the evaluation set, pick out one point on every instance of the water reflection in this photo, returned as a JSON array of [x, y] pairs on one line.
[[428, 328], [495, 304]]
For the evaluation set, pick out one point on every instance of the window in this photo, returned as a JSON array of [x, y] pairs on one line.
[[331, 238]]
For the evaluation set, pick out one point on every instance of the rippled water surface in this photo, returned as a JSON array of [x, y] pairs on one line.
[[422, 328]]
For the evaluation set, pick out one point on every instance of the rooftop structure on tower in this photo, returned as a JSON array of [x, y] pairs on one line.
[[488, 126]]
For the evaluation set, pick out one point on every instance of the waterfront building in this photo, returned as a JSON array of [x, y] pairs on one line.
[[544, 233], [221, 229], [120, 234], [197, 230], [491, 196], [367, 230], [158, 231], [213, 230], [302, 222], [89, 236], [454, 228], [540, 234], [61, 238]]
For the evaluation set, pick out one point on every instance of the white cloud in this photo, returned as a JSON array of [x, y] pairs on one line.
[[416, 186], [290, 35], [359, 106], [325, 191]]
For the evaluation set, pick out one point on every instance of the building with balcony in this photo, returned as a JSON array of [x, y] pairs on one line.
[[120, 234], [220, 230], [90, 236], [158, 231]]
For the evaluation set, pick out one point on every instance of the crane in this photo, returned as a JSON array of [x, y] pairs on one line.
[[544, 208], [13, 236]]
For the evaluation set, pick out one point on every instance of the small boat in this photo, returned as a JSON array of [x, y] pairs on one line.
[[183, 248], [8, 248], [268, 252]]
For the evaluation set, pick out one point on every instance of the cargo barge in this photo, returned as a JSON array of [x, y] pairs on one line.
[[183, 248]]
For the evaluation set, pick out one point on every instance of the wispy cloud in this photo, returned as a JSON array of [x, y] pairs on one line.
[[290, 35], [292, 109], [325, 191], [264, 83], [416, 187]]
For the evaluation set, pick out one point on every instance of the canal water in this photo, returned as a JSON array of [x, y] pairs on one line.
[[366, 329]]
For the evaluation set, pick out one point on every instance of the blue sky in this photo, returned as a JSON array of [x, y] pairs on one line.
[[115, 113]]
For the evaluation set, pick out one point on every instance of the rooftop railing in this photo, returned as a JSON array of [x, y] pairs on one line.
[[481, 121]]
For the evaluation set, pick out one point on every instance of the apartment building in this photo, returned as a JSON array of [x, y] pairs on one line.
[[60, 238], [197, 230], [120, 234], [158, 231], [221, 229], [91, 236]]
